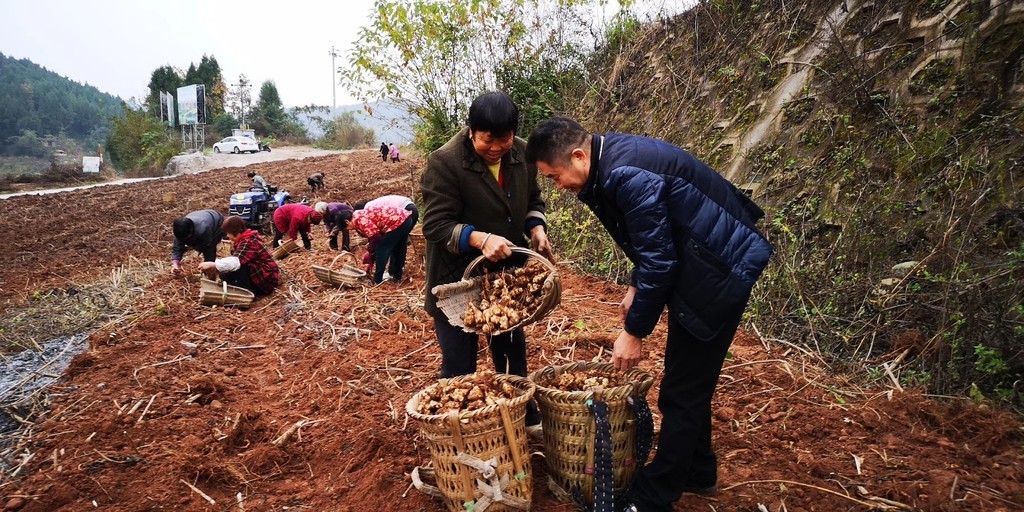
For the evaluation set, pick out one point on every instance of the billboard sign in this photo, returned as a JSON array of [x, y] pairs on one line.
[[200, 104], [163, 108], [170, 109], [187, 105], [91, 164]]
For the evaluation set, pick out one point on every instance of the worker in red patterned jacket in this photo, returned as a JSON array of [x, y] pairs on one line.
[[387, 230], [250, 265], [295, 219]]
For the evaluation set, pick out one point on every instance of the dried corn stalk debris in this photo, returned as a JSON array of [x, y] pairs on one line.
[[468, 394], [507, 297]]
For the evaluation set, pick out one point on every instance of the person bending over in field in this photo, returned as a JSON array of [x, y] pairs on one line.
[[199, 230], [250, 265], [336, 219], [295, 219]]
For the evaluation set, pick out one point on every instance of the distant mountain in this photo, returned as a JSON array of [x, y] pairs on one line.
[[36, 102], [390, 122]]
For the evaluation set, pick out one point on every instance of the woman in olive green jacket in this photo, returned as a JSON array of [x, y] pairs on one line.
[[480, 197]]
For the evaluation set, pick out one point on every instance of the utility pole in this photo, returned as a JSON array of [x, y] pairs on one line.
[[242, 87], [334, 82]]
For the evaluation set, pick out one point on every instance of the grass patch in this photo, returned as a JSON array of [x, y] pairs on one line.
[[47, 314]]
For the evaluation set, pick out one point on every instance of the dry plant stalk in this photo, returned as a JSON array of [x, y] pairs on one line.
[[507, 297], [472, 393]]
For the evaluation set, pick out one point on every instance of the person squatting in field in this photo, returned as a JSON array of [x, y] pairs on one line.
[[199, 230], [294, 220], [691, 237], [250, 265]]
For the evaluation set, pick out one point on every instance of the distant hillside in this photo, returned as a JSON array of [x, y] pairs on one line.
[[390, 122], [36, 102]]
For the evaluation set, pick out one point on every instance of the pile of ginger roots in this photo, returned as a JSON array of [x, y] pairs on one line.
[[507, 298]]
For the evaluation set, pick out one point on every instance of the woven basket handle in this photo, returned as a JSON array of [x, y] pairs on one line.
[[348, 258], [420, 485], [515, 249]]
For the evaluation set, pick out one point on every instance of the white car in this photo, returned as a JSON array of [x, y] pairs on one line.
[[236, 145]]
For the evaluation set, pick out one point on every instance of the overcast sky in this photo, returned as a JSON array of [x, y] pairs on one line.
[[114, 45]]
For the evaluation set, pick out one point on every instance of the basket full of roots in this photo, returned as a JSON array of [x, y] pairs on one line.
[[598, 430], [497, 302], [475, 428]]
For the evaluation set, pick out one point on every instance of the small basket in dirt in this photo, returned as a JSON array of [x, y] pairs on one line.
[[356, 240], [475, 428], [284, 249], [502, 301], [417, 241], [212, 293], [566, 395], [347, 274]]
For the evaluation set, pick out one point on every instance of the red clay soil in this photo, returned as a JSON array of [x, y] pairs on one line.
[[188, 395]]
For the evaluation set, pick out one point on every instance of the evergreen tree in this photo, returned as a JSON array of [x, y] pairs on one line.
[[166, 79], [34, 99]]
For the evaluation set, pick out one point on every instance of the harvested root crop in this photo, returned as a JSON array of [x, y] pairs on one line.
[[507, 297], [586, 380], [465, 395]]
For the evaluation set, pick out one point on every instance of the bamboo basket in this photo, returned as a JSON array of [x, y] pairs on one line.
[[356, 240], [569, 429], [492, 432], [454, 298], [284, 249], [347, 275], [417, 241], [212, 293]]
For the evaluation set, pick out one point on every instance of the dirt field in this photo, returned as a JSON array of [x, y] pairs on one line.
[[179, 398]]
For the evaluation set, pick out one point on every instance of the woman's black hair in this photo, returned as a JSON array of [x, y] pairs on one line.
[[494, 112]]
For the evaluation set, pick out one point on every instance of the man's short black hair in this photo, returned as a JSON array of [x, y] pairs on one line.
[[494, 112], [553, 140], [183, 228]]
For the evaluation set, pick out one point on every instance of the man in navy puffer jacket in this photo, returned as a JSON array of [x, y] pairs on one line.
[[691, 237]]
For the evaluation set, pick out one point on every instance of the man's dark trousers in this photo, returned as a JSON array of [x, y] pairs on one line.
[[684, 458]]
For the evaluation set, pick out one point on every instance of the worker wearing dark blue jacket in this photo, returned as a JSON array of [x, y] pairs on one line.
[[691, 237]]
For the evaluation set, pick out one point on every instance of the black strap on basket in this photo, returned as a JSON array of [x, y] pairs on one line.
[[604, 471], [605, 499], [644, 430]]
